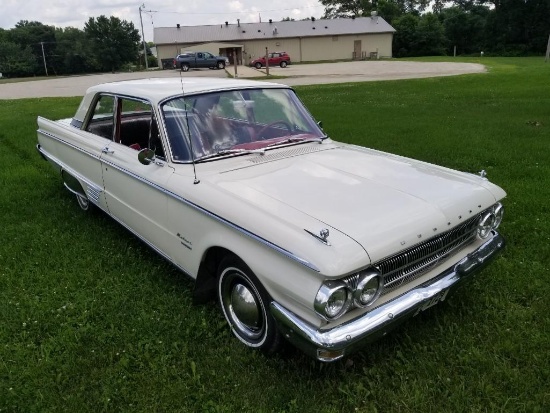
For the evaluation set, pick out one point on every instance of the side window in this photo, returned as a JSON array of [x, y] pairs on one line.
[[199, 55], [138, 126], [102, 121]]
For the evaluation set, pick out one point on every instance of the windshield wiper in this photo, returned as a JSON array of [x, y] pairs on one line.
[[296, 139], [224, 152]]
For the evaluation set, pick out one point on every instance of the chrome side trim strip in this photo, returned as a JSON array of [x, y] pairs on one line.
[[244, 231], [49, 135], [215, 216]]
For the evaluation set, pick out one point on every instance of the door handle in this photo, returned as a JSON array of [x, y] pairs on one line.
[[107, 150]]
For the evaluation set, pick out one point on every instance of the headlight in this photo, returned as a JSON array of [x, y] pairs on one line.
[[486, 223], [333, 300], [490, 220], [498, 212], [368, 289]]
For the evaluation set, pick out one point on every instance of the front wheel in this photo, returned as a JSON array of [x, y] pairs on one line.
[[244, 304], [282, 64], [221, 65], [258, 65]]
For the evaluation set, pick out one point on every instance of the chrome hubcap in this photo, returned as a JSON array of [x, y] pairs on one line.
[[242, 306], [84, 203], [245, 308]]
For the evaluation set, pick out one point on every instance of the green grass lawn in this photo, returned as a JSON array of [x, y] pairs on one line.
[[92, 320]]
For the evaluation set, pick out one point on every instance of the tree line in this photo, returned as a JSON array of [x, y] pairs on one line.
[[105, 44], [464, 27]]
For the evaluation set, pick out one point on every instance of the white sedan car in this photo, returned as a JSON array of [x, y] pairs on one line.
[[321, 243]]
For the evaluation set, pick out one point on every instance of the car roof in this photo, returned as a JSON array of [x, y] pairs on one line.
[[156, 90]]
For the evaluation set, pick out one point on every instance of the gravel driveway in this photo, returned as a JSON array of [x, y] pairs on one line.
[[302, 74], [363, 71]]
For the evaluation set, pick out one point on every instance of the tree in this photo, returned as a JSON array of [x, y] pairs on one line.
[[346, 8], [405, 38], [349, 8], [35, 36], [72, 54], [430, 36], [465, 29], [15, 61], [114, 42], [390, 10]]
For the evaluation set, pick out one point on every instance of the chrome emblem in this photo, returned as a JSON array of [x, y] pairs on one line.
[[323, 235]]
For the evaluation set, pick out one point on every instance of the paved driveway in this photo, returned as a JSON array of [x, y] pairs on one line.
[[303, 74], [77, 85]]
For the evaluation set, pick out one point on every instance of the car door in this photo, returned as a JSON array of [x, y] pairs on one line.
[[86, 151], [199, 60], [134, 191], [274, 59]]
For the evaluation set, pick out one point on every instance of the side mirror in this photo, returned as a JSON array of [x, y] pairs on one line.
[[146, 156], [320, 124]]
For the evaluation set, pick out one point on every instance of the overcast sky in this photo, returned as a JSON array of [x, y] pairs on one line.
[[165, 13]]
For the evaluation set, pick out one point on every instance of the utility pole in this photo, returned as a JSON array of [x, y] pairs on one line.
[[547, 50], [266, 62], [143, 37], [44, 58]]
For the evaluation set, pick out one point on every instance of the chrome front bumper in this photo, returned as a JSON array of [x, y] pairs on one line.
[[334, 343]]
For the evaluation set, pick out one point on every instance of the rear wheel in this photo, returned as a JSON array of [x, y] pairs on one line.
[[245, 303], [185, 67], [83, 203]]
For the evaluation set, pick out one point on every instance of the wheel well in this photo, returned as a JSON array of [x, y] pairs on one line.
[[72, 184], [205, 284]]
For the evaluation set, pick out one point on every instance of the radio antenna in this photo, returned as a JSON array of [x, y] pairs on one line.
[[196, 181]]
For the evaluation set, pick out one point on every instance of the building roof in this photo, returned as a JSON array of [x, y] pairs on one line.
[[232, 32]]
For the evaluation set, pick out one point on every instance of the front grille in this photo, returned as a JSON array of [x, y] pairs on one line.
[[411, 263]]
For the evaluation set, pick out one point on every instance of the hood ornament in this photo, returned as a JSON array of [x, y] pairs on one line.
[[323, 235], [483, 174]]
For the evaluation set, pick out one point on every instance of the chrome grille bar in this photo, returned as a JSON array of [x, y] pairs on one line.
[[411, 263]]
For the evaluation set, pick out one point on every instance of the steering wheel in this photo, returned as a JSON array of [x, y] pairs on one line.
[[270, 125]]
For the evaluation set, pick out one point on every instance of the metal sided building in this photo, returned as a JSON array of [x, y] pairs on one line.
[[305, 40]]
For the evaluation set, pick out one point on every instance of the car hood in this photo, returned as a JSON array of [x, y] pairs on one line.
[[384, 202]]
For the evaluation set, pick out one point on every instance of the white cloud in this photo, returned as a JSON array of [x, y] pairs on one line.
[[235, 5], [75, 13]]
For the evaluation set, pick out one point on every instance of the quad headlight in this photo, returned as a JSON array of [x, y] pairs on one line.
[[335, 297], [498, 212], [368, 289], [490, 220]]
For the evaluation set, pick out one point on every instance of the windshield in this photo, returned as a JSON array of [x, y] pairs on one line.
[[236, 122]]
